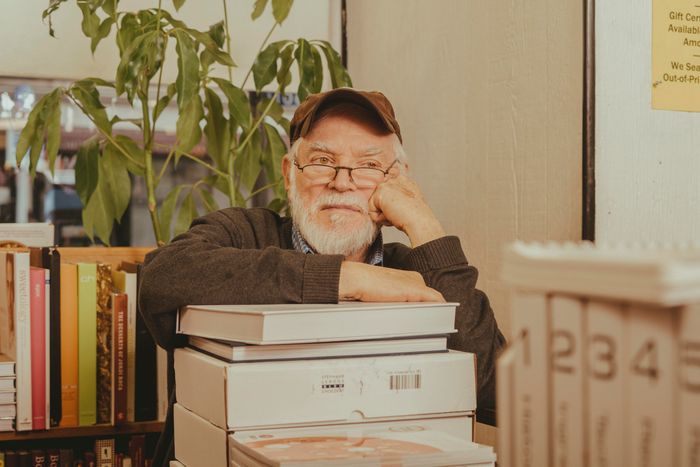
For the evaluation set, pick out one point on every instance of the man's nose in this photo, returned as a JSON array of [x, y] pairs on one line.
[[343, 180]]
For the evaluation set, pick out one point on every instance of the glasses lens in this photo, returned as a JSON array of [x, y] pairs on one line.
[[320, 173], [367, 177]]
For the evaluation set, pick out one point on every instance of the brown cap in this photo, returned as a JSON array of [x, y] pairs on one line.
[[374, 101]]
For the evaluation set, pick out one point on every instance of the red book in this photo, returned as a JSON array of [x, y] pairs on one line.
[[37, 307], [119, 347]]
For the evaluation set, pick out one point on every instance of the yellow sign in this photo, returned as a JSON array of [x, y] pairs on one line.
[[675, 68]]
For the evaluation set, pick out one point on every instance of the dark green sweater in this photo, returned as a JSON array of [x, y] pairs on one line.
[[246, 256]]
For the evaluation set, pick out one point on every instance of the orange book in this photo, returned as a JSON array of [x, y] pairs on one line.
[[69, 344]]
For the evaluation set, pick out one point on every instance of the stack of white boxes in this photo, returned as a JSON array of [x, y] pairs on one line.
[[216, 398]]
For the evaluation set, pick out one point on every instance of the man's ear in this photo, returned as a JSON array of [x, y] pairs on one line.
[[286, 166]]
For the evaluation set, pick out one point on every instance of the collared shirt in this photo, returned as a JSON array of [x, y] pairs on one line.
[[375, 256]]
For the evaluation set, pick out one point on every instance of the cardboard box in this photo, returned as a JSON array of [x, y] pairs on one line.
[[199, 443], [236, 396]]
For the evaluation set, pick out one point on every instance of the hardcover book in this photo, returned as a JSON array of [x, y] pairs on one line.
[[119, 360], [104, 343], [125, 282], [38, 332], [87, 343], [69, 345], [297, 323], [240, 352]]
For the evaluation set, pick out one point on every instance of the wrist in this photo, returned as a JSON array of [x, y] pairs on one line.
[[424, 232]]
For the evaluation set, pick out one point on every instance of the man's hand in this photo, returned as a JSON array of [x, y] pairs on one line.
[[367, 283], [399, 202]]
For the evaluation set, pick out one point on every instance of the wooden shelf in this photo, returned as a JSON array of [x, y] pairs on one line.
[[83, 431]]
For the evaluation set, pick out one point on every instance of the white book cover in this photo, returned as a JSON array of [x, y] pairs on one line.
[[238, 396], [689, 386], [667, 276], [33, 234], [297, 323], [530, 321], [7, 366], [407, 443], [651, 373], [239, 352], [505, 395], [607, 393], [567, 367], [162, 381], [23, 336]]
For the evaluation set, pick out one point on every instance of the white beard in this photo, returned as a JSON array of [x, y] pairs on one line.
[[334, 240]]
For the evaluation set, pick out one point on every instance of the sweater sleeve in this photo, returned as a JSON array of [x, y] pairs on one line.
[[228, 258], [444, 267]]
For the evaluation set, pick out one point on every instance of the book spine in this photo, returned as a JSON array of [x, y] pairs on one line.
[[531, 326], [38, 458], [689, 386], [87, 343], [104, 452], [23, 330], [47, 346], [119, 301], [145, 398], [104, 343], [162, 365], [53, 457], [650, 373], [567, 367], [137, 446], [52, 262], [606, 344], [38, 343], [130, 289], [69, 345]]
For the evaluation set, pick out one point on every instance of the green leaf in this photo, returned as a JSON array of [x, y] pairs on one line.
[[248, 163], [187, 81], [218, 33], [265, 66], [164, 101], [127, 32], [117, 184], [187, 213], [91, 22], [109, 7], [32, 133], [53, 129], [102, 32], [238, 105], [276, 149], [339, 75], [307, 69], [53, 6], [178, 4], [165, 213], [318, 71], [136, 153], [216, 129], [97, 217], [276, 111], [188, 131], [86, 169], [277, 204], [284, 74], [86, 93], [208, 201], [140, 56], [280, 9], [258, 9]]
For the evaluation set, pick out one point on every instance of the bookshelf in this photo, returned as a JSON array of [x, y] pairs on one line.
[[81, 432]]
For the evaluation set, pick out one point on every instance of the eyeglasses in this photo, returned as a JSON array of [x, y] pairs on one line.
[[362, 177]]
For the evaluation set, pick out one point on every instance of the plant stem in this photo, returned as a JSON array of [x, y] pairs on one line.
[[245, 80], [104, 133], [199, 161], [228, 40], [149, 176], [260, 190], [165, 165], [258, 122]]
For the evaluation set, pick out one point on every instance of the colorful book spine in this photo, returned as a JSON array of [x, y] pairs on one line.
[[104, 452], [69, 345], [119, 351], [126, 282], [87, 343], [38, 343], [104, 343], [23, 335], [47, 346]]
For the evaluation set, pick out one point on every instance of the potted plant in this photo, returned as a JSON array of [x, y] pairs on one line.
[[244, 142]]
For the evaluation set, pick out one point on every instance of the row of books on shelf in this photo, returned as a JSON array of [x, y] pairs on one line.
[[341, 384], [604, 368], [81, 351], [104, 454]]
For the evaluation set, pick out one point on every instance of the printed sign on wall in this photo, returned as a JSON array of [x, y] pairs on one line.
[[676, 55]]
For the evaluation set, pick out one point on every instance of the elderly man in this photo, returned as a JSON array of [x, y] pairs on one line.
[[345, 176]]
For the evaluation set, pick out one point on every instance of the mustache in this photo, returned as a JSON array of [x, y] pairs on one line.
[[331, 199]]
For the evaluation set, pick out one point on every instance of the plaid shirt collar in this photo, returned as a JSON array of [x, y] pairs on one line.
[[376, 250]]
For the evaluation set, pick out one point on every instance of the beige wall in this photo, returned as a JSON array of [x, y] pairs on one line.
[[488, 94]]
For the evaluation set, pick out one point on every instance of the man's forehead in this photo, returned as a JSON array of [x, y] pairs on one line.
[[368, 150]]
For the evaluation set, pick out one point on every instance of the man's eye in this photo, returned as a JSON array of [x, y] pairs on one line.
[[372, 165], [322, 160]]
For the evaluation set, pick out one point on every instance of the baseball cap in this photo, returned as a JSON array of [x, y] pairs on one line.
[[312, 106]]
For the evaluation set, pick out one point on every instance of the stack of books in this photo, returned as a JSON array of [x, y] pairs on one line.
[[344, 384], [8, 408], [69, 322], [604, 366]]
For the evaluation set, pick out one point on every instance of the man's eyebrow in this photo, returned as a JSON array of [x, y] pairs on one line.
[[318, 146], [372, 151]]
